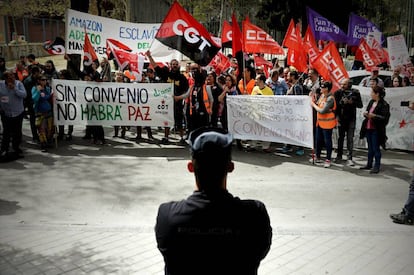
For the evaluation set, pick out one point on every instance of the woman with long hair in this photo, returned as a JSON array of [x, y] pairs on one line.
[[229, 88], [373, 127]]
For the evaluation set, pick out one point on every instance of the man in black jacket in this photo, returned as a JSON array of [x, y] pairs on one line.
[[212, 232], [347, 101]]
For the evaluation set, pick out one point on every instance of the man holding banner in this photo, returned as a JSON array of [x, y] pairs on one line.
[[173, 75]]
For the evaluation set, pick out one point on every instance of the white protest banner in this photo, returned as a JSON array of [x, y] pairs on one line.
[[112, 103], [137, 36], [400, 128], [398, 51], [284, 119]]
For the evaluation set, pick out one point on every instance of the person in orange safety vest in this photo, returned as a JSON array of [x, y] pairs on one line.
[[325, 122]]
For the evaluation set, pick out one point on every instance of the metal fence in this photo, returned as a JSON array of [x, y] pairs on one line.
[[31, 30]]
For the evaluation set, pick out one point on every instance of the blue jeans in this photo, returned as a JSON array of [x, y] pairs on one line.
[[374, 150], [409, 205], [323, 135]]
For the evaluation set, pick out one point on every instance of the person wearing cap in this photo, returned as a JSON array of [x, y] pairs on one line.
[[325, 122], [374, 75], [212, 232]]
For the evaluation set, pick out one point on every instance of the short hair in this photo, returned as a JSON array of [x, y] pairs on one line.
[[294, 74], [275, 72], [374, 79], [65, 74], [261, 77], [252, 71], [8, 73], [34, 69], [31, 56]]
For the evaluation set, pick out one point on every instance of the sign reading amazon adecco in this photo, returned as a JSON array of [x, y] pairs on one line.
[[138, 36]]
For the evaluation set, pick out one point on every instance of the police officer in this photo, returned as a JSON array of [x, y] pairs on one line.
[[212, 232]]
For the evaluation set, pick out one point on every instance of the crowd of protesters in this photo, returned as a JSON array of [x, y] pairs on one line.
[[200, 100]]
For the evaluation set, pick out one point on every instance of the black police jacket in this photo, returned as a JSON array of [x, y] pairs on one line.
[[213, 234]]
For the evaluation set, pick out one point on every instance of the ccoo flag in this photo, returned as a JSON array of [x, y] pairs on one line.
[[182, 32]]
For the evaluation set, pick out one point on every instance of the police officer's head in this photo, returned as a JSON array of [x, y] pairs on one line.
[[211, 157]]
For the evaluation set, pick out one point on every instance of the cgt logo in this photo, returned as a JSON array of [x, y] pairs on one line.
[[162, 106], [191, 35], [258, 36]]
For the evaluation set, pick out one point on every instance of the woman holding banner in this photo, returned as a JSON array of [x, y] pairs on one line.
[[325, 122]]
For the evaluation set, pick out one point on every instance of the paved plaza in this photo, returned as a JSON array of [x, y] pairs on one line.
[[89, 209]]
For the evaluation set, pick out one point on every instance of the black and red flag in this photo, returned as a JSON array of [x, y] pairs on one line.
[[55, 47], [182, 32]]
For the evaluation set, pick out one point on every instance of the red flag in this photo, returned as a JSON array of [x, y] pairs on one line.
[[256, 40], [260, 61], [110, 43], [380, 53], [55, 47], [220, 63], [365, 53], [182, 32], [291, 40], [89, 54], [236, 36], [309, 44], [226, 35], [330, 66], [298, 60]]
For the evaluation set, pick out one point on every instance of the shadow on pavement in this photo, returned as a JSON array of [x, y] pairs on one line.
[[8, 207]]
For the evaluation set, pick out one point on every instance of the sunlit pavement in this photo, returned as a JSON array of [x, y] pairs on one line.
[[82, 208]]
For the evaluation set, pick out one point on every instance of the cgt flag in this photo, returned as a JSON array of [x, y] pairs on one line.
[[182, 32], [55, 47], [89, 54]]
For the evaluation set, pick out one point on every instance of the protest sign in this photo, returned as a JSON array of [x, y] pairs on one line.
[[288, 119], [398, 54], [400, 128], [284, 119], [138, 37], [112, 103]]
